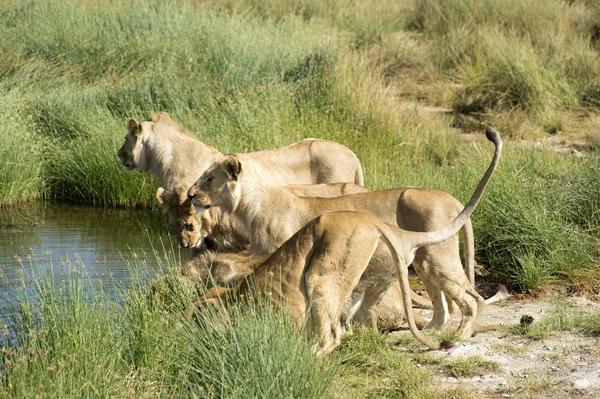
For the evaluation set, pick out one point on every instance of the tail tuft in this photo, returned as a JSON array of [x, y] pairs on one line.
[[446, 344]]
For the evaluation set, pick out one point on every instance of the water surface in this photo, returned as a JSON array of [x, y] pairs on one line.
[[56, 237]]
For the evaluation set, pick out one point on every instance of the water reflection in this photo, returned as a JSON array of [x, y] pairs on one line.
[[60, 237]]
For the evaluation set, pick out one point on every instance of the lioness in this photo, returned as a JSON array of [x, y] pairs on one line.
[[228, 269], [273, 214], [326, 269], [176, 158], [218, 231]]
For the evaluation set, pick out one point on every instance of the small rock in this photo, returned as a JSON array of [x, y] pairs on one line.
[[451, 379], [581, 383], [506, 395]]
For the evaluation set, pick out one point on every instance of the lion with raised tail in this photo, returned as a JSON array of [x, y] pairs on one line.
[[220, 232], [324, 272], [273, 214]]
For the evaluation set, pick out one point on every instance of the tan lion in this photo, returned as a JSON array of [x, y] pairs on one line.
[[323, 273], [273, 214], [218, 231], [222, 233], [176, 158], [229, 269]]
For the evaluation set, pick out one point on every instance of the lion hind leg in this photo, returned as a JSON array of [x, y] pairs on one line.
[[470, 303], [425, 266], [326, 304], [441, 316], [332, 276]]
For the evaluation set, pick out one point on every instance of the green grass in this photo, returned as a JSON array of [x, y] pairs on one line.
[[471, 366], [21, 175], [564, 317], [257, 74], [369, 368], [64, 337]]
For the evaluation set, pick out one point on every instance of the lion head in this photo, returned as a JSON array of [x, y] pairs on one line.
[[131, 152], [189, 226], [218, 186]]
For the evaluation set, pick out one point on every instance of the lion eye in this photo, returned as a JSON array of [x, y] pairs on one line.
[[189, 227]]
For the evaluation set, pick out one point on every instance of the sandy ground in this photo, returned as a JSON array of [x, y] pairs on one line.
[[564, 365]]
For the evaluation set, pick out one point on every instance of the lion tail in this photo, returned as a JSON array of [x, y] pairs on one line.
[[402, 270], [469, 250], [435, 237]]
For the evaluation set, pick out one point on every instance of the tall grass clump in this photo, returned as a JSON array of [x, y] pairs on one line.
[[579, 191], [520, 227], [21, 175], [256, 353], [64, 336], [60, 339], [509, 74], [534, 55]]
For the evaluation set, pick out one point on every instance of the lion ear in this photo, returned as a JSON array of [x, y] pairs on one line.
[[133, 127], [233, 166], [163, 196]]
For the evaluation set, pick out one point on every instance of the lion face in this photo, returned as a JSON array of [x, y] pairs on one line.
[[188, 227], [218, 186], [191, 228], [130, 151]]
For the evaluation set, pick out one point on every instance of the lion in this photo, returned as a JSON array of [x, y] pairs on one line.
[[208, 230], [229, 269], [273, 215], [176, 158], [218, 231], [323, 273]]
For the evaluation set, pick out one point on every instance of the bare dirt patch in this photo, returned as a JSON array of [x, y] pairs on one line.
[[563, 364]]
